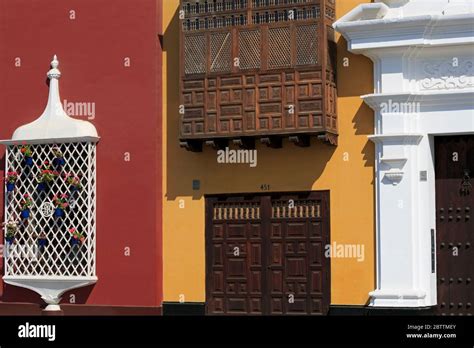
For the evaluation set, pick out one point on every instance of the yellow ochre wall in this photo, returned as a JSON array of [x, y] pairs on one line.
[[345, 170]]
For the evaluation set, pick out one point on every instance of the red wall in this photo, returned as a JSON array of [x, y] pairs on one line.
[[91, 51]]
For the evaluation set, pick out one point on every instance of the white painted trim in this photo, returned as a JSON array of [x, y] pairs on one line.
[[50, 288], [422, 31], [85, 139], [394, 162], [427, 99], [398, 138], [365, 12]]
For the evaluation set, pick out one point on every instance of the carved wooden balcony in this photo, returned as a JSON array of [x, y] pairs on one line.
[[257, 69]]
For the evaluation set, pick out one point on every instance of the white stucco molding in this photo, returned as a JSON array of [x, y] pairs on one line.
[[395, 296], [458, 98], [363, 30], [365, 12], [50, 288], [395, 158], [85, 139], [393, 3], [402, 139], [394, 162]]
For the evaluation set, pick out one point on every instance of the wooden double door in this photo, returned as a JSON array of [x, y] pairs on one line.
[[455, 224], [265, 254]]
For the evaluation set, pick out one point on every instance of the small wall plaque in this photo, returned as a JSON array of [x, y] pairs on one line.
[[423, 175]]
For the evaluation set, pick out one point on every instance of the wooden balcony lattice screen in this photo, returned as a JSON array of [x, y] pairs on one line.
[[257, 69]]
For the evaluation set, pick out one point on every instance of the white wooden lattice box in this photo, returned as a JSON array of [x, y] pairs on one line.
[[50, 202]]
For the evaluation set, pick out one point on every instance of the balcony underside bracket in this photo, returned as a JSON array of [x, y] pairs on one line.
[[245, 143], [191, 145], [218, 144], [275, 142], [302, 140], [328, 138]]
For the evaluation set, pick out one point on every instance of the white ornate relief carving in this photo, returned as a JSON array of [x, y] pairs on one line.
[[447, 75]]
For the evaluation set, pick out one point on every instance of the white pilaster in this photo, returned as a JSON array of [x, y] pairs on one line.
[[424, 86]]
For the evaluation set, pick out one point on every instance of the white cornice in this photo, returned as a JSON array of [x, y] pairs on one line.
[[392, 3], [407, 139], [365, 12], [85, 139], [422, 31], [426, 99], [398, 294]]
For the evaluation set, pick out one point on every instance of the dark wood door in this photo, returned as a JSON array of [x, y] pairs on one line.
[[455, 225], [265, 254]]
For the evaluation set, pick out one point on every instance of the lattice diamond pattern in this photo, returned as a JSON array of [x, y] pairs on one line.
[[249, 46], [279, 48], [307, 45], [58, 258], [195, 54], [221, 45]]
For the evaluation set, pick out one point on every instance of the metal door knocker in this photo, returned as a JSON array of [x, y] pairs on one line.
[[465, 183]]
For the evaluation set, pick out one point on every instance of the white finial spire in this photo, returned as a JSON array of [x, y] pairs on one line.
[[55, 62], [54, 123], [54, 73]]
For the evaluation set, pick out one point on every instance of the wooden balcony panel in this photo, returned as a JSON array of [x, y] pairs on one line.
[[259, 80]]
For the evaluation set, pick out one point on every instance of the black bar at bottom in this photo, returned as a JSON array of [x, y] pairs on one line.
[[195, 330]]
